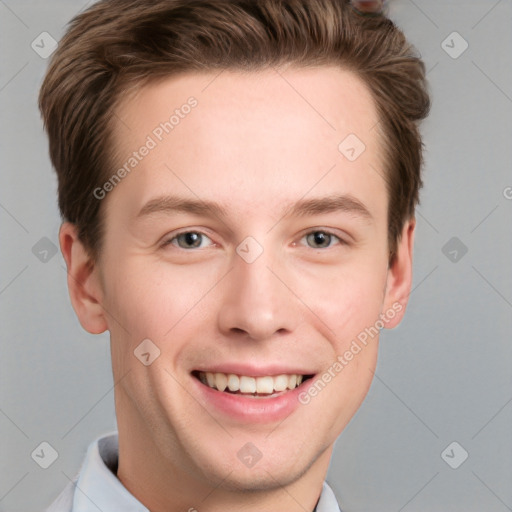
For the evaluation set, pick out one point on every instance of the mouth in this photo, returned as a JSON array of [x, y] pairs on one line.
[[269, 386]]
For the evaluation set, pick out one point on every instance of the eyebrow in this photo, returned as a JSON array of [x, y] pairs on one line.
[[344, 203], [315, 206], [173, 204]]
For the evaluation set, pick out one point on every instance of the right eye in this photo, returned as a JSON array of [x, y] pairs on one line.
[[188, 240]]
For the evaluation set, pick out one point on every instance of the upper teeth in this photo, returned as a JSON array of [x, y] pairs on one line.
[[244, 384]]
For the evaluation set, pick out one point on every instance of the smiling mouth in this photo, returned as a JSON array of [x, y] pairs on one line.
[[258, 387]]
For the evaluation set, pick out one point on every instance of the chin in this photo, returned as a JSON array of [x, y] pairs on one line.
[[265, 479], [276, 467]]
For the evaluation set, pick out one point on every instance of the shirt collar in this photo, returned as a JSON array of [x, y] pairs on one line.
[[98, 485], [327, 501]]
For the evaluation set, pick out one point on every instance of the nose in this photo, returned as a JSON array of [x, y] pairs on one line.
[[257, 303]]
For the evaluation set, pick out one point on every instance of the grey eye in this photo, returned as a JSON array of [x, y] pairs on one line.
[[319, 239], [189, 240]]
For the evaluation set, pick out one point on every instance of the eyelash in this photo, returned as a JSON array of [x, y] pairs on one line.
[[327, 232]]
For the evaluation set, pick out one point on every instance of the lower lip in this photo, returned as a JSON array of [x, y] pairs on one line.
[[245, 409]]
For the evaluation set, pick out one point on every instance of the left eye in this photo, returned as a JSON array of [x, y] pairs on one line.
[[321, 239], [189, 240]]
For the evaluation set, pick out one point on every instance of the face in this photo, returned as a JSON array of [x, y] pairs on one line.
[[250, 248]]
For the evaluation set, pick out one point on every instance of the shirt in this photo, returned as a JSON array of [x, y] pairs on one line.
[[96, 486]]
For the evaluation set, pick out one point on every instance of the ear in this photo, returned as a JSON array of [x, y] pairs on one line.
[[83, 281], [399, 279]]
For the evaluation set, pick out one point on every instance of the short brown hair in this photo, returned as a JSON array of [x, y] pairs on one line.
[[118, 45]]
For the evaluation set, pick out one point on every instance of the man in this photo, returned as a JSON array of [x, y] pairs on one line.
[[238, 182]]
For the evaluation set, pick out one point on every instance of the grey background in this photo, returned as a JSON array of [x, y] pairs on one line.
[[444, 375]]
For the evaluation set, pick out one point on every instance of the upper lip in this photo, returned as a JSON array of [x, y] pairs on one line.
[[253, 370]]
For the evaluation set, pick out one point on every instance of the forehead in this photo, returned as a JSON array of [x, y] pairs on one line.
[[330, 99], [263, 133]]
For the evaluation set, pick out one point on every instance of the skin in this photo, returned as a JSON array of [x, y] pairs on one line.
[[256, 147]]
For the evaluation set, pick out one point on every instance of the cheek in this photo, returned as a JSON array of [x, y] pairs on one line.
[[348, 308], [154, 301], [347, 300]]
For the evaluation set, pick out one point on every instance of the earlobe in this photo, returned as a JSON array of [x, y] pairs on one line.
[[83, 282], [399, 279]]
